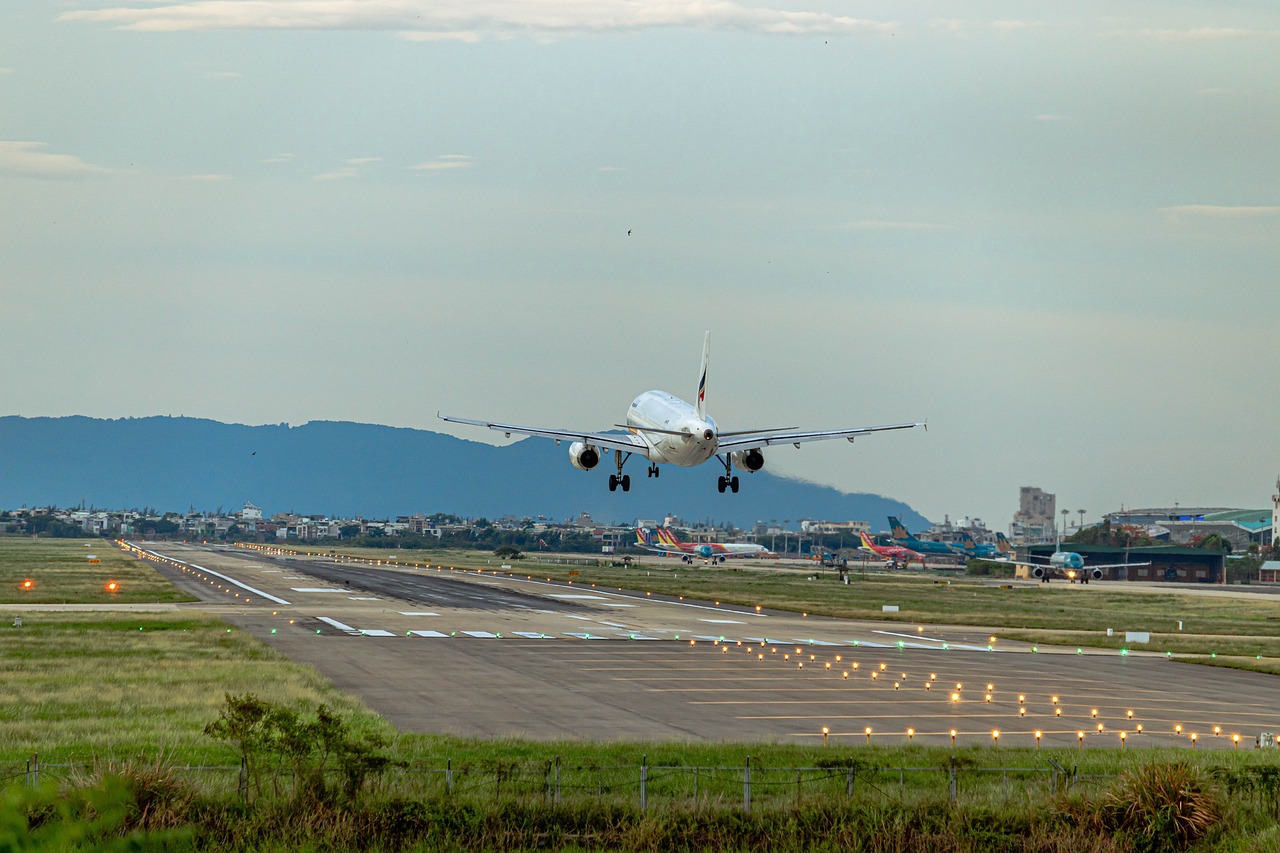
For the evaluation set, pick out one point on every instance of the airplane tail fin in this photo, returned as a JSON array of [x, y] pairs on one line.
[[643, 536], [966, 539], [669, 536], [896, 530], [866, 540], [1002, 544], [700, 403]]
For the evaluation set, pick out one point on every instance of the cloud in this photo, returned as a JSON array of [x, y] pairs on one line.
[[1195, 34], [26, 159], [285, 157], [1221, 211], [6, 70], [962, 27], [889, 225], [351, 168], [445, 162], [470, 20]]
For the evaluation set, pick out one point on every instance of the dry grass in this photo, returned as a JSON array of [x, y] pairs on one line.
[[61, 573]]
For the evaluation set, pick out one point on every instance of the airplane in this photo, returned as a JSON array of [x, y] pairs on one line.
[[893, 553], [1066, 564], [666, 542], [669, 431], [923, 546], [1003, 545], [973, 549]]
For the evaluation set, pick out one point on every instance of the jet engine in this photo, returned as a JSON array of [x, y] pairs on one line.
[[749, 460], [1096, 574], [1038, 572], [584, 457]]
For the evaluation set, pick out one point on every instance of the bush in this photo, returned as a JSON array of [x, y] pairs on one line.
[[1162, 807]]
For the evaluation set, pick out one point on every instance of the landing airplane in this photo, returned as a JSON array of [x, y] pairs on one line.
[[900, 536], [894, 553], [669, 431], [665, 541], [1068, 565]]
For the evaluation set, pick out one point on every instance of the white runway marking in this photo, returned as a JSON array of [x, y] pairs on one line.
[[364, 598], [585, 636], [617, 605], [428, 634], [483, 635], [571, 595], [583, 618], [530, 635], [340, 626], [723, 621], [417, 613], [318, 589], [377, 632]]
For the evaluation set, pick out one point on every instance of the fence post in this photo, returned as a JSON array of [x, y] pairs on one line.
[[695, 787], [448, 775], [848, 782], [746, 786], [644, 783], [951, 784], [557, 800]]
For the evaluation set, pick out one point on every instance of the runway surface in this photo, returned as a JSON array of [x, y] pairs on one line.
[[494, 655]]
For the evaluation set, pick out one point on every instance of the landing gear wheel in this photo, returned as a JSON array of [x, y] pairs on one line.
[[720, 484], [654, 471], [733, 484], [626, 482], [613, 482]]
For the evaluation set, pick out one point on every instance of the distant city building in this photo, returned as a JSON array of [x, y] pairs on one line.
[[835, 528], [1036, 518]]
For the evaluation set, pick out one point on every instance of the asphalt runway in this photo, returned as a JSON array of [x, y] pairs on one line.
[[491, 655]]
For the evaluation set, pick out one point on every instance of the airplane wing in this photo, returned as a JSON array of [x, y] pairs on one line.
[[730, 442], [627, 442], [1113, 565]]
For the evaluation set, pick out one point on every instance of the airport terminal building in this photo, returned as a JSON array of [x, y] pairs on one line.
[[1171, 563]]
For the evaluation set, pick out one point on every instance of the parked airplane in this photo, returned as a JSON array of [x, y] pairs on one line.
[[1068, 565], [666, 542], [972, 549], [894, 553], [669, 431], [1003, 545], [924, 546]]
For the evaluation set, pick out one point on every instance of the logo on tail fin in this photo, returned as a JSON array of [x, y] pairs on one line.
[[1002, 544], [643, 536], [897, 530]]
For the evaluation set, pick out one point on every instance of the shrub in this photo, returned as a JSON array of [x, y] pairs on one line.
[[1162, 807]]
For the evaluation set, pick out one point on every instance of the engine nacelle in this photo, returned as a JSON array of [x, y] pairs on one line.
[[750, 461], [584, 457], [1096, 574], [1038, 572]]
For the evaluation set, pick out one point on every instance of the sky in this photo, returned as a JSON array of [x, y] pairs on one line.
[[1051, 230]]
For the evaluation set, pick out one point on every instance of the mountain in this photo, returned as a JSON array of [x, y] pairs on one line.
[[348, 469]]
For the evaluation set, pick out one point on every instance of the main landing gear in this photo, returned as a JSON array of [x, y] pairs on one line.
[[729, 480], [654, 471], [620, 479]]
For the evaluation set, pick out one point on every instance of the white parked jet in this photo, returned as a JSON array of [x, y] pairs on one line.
[[669, 431]]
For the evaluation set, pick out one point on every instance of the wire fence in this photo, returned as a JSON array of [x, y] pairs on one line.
[[747, 787]]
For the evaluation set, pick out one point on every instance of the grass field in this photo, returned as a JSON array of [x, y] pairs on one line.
[[60, 573]]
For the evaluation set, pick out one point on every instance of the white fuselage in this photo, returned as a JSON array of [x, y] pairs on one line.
[[657, 410]]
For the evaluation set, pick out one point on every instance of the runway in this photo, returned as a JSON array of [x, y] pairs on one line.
[[495, 655]]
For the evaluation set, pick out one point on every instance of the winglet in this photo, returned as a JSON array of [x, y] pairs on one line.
[[700, 404]]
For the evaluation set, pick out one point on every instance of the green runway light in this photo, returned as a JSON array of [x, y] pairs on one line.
[[1124, 653], [317, 630], [1079, 650], [1035, 649], [273, 630], [945, 647], [1213, 654], [901, 645]]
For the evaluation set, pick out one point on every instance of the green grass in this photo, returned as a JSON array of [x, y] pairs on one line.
[[60, 573], [79, 686]]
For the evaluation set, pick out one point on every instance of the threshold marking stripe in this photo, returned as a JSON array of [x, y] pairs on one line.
[[377, 632], [339, 625], [427, 634]]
